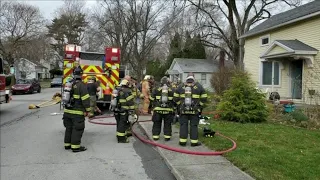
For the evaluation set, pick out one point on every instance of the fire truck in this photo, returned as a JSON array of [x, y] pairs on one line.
[[104, 66], [6, 82]]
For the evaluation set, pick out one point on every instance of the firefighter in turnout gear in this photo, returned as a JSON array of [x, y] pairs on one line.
[[76, 108], [92, 90], [122, 105], [162, 100], [190, 97]]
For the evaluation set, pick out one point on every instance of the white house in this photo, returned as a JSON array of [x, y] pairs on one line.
[[48, 66], [202, 69], [25, 69]]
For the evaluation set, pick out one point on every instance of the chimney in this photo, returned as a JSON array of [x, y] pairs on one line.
[[222, 59]]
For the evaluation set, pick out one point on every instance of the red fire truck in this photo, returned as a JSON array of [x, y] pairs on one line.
[[104, 66], [5, 83]]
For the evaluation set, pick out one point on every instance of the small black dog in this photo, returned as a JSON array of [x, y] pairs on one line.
[[207, 132]]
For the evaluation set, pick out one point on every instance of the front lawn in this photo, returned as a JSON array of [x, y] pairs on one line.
[[270, 151], [45, 83]]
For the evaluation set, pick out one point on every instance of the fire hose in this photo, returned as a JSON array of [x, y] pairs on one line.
[[212, 153], [55, 100]]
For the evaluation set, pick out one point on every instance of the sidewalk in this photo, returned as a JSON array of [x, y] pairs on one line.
[[194, 167]]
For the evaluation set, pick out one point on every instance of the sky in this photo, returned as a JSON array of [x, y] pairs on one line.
[[48, 7]]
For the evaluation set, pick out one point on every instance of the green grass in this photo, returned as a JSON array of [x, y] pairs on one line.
[[45, 83], [270, 151]]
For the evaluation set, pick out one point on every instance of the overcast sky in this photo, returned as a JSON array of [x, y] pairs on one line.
[[48, 7]]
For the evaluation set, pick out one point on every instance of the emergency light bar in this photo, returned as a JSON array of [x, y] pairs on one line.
[[73, 48], [70, 47]]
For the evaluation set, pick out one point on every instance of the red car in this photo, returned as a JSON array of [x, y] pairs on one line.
[[24, 86]]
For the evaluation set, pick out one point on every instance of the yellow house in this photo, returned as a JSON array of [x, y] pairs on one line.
[[282, 54]]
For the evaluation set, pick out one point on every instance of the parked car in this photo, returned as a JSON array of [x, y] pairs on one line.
[[24, 86], [56, 82]]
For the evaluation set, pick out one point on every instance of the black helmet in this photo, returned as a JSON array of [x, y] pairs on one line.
[[77, 73], [164, 80]]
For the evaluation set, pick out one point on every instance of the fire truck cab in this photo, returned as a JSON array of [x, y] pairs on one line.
[[105, 67], [6, 81]]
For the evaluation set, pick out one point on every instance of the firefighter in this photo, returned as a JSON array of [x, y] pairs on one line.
[[191, 97], [77, 107], [99, 91], [129, 79], [123, 107], [174, 87], [77, 68], [146, 94], [162, 100], [92, 90], [151, 86]]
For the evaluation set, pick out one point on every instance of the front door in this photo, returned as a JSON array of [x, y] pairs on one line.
[[296, 79]]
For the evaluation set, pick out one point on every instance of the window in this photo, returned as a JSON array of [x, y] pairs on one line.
[[264, 41], [23, 74], [203, 78], [270, 71]]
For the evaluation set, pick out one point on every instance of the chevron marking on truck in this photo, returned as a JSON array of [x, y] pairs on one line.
[[96, 70], [114, 73], [66, 70]]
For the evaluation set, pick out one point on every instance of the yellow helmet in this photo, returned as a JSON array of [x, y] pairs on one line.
[[124, 82]]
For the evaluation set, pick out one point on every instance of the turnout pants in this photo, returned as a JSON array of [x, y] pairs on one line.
[[184, 124], [74, 129], [93, 104], [122, 125], [157, 118], [145, 107]]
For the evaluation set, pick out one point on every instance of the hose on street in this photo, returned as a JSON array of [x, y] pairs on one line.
[[141, 138]]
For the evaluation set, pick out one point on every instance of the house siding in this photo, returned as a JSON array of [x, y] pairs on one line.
[[308, 32], [27, 67], [178, 68], [277, 50]]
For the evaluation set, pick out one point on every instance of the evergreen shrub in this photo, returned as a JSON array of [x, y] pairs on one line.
[[243, 102]]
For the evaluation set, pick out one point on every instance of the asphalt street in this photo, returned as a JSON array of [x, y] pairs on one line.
[[18, 107], [32, 148]]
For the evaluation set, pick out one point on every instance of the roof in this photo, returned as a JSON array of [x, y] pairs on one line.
[[288, 17], [172, 72], [296, 45], [196, 65], [291, 48]]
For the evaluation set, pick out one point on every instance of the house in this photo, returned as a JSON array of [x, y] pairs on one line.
[[48, 66], [202, 69], [26, 69], [282, 53]]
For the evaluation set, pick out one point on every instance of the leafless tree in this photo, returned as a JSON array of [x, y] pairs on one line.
[[239, 17], [19, 23], [135, 26]]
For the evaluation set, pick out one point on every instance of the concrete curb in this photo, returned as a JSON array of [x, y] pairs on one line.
[[19, 118], [174, 171]]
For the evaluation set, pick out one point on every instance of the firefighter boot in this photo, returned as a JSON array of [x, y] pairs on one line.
[[82, 148], [122, 139], [196, 144], [155, 137], [128, 131]]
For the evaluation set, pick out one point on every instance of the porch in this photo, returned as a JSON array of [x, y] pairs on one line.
[[174, 75], [286, 68]]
